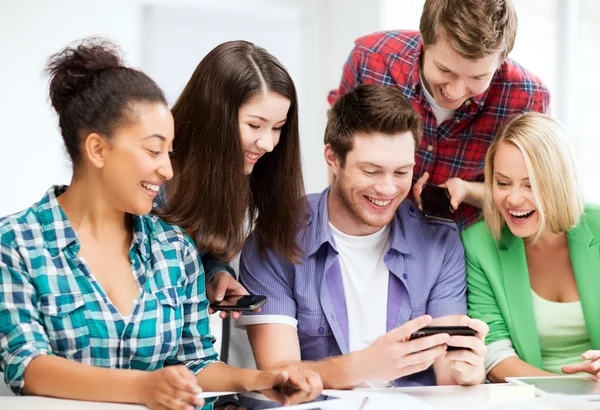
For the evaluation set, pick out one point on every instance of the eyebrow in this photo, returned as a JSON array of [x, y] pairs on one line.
[[363, 163], [504, 176], [442, 66], [264, 119], [160, 137]]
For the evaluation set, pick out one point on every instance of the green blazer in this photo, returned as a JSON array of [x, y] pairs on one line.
[[499, 291]]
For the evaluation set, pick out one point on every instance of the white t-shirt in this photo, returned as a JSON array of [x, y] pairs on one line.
[[441, 114], [365, 279]]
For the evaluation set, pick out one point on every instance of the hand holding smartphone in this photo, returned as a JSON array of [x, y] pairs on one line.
[[451, 330], [240, 303], [435, 203]]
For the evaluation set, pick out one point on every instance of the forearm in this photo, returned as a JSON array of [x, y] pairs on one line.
[[219, 376], [339, 372], [474, 192], [514, 367], [55, 376]]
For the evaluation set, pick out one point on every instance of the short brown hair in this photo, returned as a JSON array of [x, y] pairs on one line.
[[369, 109], [474, 28]]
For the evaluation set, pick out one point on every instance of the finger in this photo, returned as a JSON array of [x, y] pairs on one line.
[[415, 368], [591, 355], [298, 380], [464, 355], [236, 315], [576, 368], [468, 342], [425, 356], [403, 332], [235, 288], [314, 380], [177, 381], [190, 378], [418, 187], [224, 314], [221, 285], [477, 325], [426, 342], [464, 372], [211, 311]]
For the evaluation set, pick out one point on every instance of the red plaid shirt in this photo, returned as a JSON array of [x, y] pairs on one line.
[[457, 147]]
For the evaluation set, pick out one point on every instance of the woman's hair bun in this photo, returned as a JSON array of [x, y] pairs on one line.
[[72, 69]]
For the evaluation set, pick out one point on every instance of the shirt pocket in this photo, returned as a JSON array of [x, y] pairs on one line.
[[170, 304], [65, 323], [313, 324]]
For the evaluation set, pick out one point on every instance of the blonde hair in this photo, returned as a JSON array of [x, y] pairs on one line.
[[552, 173], [474, 28]]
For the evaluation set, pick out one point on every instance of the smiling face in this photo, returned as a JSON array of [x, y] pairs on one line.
[[261, 120], [512, 194], [136, 160], [375, 179], [452, 79]]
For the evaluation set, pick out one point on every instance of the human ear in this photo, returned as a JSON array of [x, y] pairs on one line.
[[95, 148], [333, 161]]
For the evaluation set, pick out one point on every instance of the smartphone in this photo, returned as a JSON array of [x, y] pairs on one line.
[[435, 202], [451, 330], [240, 303]]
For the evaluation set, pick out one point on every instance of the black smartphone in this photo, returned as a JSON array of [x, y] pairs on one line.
[[435, 202], [451, 330], [240, 303]]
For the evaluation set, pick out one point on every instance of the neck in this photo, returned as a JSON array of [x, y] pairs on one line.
[[342, 217], [547, 240], [88, 210]]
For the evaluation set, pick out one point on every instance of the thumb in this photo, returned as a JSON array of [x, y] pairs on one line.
[[403, 332]]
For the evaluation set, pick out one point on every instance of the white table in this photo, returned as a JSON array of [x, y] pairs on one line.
[[483, 397]]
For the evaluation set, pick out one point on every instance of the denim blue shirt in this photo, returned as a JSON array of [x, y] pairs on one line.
[[427, 276], [51, 303]]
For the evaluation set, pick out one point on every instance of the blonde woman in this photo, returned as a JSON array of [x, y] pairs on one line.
[[534, 264]]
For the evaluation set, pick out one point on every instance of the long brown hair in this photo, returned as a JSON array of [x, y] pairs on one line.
[[210, 194]]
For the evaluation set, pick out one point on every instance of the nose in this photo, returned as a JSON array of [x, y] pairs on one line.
[[515, 197], [265, 142], [166, 169], [455, 89], [386, 186]]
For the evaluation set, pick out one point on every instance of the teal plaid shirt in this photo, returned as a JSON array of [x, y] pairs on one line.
[[50, 303]]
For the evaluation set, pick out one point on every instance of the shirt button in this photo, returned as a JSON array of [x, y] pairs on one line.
[[411, 209], [457, 121], [405, 276], [321, 330], [430, 148], [154, 205], [468, 102]]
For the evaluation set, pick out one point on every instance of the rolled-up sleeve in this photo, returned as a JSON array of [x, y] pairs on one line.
[[22, 335], [449, 295], [271, 276], [196, 346]]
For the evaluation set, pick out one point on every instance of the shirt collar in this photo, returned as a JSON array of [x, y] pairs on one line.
[[58, 232], [320, 233]]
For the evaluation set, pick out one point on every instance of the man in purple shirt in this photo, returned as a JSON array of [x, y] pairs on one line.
[[373, 270]]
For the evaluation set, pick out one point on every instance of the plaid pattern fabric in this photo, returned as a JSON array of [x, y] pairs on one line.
[[456, 147], [50, 303]]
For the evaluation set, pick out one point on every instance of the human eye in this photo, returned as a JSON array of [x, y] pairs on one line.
[[154, 153], [277, 129], [443, 70], [369, 172], [401, 173], [501, 183], [254, 126]]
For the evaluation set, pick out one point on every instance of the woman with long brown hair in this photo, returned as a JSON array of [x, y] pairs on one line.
[[237, 160]]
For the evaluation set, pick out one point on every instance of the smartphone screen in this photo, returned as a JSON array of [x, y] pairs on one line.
[[435, 202], [240, 302]]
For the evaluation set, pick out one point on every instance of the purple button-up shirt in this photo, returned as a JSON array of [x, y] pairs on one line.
[[427, 276]]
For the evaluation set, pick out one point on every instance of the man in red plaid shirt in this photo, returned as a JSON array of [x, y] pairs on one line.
[[456, 74]]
